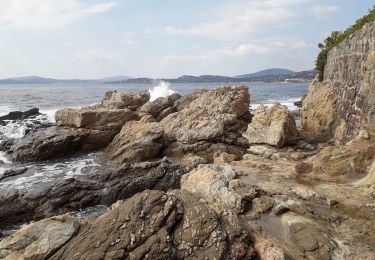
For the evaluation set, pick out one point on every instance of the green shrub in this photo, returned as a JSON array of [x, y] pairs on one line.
[[338, 37]]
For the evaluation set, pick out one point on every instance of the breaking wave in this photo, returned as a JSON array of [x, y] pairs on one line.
[[161, 90]]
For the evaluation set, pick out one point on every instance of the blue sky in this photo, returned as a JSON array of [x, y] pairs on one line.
[[165, 38]]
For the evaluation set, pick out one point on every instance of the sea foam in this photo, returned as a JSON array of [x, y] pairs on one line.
[[161, 90]]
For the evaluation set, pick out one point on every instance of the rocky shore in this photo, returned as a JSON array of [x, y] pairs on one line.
[[200, 177]]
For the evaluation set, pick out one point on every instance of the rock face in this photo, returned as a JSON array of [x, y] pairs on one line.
[[150, 225], [344, 102], [102, 186], [274, 125], [18, 115], [138, 141]]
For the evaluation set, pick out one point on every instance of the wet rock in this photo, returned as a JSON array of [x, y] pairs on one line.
[[13, 172], [137, 141], [274, 125], [53, 142], [18, 115], [261, 205], [211, 183], [102, 186], [132, 101], [39, 240]]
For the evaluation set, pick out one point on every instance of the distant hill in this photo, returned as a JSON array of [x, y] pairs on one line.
[[41, 80], [267, 72], [261, 76]]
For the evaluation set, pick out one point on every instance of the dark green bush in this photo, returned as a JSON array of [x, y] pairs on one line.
[[338, 37]]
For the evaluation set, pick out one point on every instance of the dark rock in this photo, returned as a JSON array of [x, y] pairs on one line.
[[103, 186], [13, 172], [18, 115], [53, 142]]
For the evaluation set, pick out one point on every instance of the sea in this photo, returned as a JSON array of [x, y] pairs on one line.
[[50, 97]]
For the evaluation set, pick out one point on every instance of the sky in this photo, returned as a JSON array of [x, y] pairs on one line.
[[90, 39]]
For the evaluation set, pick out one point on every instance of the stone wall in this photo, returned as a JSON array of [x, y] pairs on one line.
[[350, 77]]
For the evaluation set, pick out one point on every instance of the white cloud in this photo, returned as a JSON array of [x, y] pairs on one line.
[[47, 14], [269, 47], [98, 56], [324, 11], [242, 17]]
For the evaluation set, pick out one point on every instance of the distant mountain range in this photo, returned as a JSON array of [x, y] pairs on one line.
[[41, 80], [269, 75]]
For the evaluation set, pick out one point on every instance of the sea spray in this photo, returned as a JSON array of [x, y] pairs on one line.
[[161, 90]]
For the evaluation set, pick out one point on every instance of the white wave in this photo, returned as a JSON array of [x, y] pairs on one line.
[[289, 103], [50, 113], [161, 90], [4, 110], [49, 172]]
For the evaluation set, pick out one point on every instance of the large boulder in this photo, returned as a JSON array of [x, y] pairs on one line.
[[150, 225], [273, 125], [132, 101], [138, 141], [215, 114], [94, 118]]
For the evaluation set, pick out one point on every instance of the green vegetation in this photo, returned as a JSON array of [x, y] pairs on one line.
[[338, 37]]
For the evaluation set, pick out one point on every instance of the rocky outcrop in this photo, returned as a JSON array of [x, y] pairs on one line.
[[344, 102], [150, 225], [138, 141], [102, 186], [274, 125]]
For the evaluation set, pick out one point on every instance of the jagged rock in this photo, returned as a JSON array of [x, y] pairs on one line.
[[137, 141], [150, 225], [211, 183], [53, 142], [266, 152], [102, 186], [158, 108], [261, 205], [192, 161], [303, 167], [186, 100], [12, 172], [18, 115], [95, 118], [132, 101], [274, 125], [214, 114], [39, 240]]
